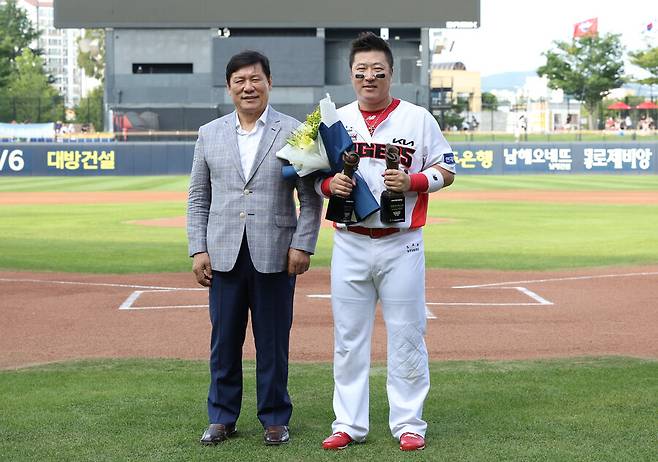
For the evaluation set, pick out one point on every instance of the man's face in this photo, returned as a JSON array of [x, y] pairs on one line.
[[250, 89], [369, 88]]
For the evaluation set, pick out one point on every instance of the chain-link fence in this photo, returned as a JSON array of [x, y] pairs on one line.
[[21, 109], [32, 109]]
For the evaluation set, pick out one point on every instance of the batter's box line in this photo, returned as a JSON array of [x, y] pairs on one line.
[[127, 305], [538, 300]]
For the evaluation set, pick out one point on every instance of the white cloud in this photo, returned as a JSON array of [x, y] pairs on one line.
[[514, 33]]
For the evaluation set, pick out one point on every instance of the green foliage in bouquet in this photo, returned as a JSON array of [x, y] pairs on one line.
[[306, 133]]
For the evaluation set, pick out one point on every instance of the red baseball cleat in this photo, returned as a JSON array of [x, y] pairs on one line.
[[411, 442], [339, 440]]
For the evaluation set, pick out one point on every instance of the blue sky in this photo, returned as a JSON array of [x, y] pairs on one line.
[[514, 33]]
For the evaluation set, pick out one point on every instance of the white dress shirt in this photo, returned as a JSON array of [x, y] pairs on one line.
[[248, 141]]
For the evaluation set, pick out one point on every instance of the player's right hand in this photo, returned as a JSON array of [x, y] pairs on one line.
[[202, 269], [341, 185]]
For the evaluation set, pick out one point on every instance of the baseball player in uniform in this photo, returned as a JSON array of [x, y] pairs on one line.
[[374, 261]]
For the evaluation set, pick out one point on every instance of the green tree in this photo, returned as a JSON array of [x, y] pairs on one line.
[[29, 95], [451, 119], [16, 34], [454, 117], [647, 60], [489, 101], [90, 109], [91, 53], [586, 68]]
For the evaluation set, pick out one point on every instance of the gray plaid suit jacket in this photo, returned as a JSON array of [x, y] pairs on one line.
[[223, 204]]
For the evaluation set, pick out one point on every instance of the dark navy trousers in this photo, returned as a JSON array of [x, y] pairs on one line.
[[269, 296]]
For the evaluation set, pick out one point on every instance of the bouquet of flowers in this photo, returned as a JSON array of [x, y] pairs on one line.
[[317, 145], [305, 149]]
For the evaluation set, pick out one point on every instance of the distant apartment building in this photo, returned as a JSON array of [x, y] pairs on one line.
[[60, 51]]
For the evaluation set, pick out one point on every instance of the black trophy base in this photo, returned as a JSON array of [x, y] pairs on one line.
[[392, 207], [341, 210]]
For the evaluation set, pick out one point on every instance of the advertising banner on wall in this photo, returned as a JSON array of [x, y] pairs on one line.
[[175, 158], [95, 159], [529, 158]]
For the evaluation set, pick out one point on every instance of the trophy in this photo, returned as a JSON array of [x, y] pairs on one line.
[[341, 209], [392, 203]]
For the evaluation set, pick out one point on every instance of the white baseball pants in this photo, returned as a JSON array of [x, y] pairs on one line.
[[363, 270]]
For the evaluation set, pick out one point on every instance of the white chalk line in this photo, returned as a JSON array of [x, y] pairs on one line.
[[428, 313], [538, 300], [102, 284], [533, 295], [134, 296], [164, 307], [570, 278], [128, 302]]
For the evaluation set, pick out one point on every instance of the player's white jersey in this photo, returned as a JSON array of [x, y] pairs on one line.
[[420, 141]]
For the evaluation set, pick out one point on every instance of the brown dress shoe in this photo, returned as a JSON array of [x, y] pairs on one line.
[[216, 433], [276, 434]]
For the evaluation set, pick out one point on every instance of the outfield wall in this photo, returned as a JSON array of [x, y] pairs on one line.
[[175, 158]]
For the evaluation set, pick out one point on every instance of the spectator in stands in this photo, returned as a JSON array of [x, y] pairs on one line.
[[474, 124], [521, 128], [628, 123]]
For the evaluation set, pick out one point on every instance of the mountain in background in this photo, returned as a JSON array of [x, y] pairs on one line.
[[506, 80], [514, 80], [643, 90]]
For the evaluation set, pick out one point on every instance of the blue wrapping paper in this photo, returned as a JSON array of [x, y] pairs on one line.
[[365, 203], [336, 141]]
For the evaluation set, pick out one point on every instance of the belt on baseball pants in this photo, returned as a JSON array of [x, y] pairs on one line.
[[373, 233]]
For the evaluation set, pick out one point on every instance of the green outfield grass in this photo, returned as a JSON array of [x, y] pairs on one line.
[[536, 236], [574, 409], [484, 234], [464, 182], [92, 238]]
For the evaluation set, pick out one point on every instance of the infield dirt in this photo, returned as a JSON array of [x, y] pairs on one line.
[[592, 312]]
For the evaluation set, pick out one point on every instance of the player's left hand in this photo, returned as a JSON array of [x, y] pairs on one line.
[[298, 261], [396, 180]]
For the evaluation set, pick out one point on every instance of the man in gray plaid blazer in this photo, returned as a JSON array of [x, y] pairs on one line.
[[248, 245]]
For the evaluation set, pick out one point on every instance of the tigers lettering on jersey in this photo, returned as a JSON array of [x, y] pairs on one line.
[[378, 151]]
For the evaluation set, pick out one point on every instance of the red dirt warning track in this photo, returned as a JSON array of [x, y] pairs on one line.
[[580, 197]]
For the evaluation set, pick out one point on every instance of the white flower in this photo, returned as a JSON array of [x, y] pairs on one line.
[[304, 148]]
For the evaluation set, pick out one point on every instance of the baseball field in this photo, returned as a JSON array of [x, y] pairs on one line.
[[542, 306]]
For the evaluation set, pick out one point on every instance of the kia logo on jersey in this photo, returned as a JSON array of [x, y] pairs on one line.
[[403, 141], [449, 158]]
